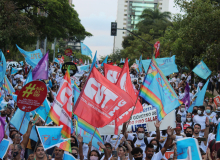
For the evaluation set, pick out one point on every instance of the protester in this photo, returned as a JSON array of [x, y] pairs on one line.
[[150, 145]]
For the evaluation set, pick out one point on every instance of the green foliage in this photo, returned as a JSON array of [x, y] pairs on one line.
[[23, 21], [195, 35], [154, 22]]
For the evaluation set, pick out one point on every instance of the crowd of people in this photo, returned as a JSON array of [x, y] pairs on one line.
[[201, 124]]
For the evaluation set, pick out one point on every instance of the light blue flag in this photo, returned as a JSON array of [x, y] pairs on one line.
[[16, 122], [2, 66], [14, 70], [14, 96], [188, 148], [105, 61], [218, 134], [202, 70], [21, 63], [157, 91], [129, 60], [50, 136], [43, 111], [140, 64], [121, 61], [93, 62], [4, 144], [200, 98], [85, 50], [84, 68], [29, 78], [32, 57], [76, 93], [137, 61], [56, 60], [67, 156], [167, 65]]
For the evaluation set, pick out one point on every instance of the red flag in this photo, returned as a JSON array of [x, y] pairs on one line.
[[157, 49], [111, 72], [100, 102], [124, 82]]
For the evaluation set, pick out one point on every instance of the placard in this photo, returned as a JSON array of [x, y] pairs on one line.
[[73, 68], [31, 96], [145, 119], [68, 52], [217, 100]]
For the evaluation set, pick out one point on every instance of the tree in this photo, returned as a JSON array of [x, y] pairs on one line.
[[195, 35], [154, 22], [34, 19]]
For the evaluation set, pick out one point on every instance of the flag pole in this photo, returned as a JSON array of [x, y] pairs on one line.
[[93, 134], [22, 121], [39, 138]]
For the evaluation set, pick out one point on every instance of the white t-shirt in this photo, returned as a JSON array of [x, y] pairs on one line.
[[140, 143], [157, 156], [200, 120], [113, 140], [183, 115], [212, 117]]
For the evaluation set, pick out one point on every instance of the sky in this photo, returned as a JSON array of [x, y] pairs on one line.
[[96, 16]]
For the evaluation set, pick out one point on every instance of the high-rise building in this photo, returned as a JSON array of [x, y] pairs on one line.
[[128, 13]]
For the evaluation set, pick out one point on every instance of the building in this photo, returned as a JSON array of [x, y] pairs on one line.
[[128, 13]]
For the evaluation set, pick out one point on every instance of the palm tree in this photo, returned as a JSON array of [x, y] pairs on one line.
[[154, 19]]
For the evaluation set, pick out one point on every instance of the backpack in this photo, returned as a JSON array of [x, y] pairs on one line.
[[145, 140]]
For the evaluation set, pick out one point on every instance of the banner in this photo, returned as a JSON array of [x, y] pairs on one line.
[[199, 98], [15, 70], [2, 66], [102, 100], [85, 50], [157, 91], [41, 69], [202, 70], [32, 57], [146, 119], [188, 148], [4, 144], [124, 82], [16, 122], [112, 72], [167, 65], [83, 68]]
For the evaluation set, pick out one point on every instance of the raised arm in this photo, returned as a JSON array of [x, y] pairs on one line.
[[105, 150], [124, 130], [157, 125], [206, 133], [80, 140], [169, 140], [27, 135]]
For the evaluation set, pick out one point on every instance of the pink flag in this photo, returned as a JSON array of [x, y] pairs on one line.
[[2, 128]]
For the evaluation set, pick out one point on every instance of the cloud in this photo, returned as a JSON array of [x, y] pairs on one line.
[[96, 16]]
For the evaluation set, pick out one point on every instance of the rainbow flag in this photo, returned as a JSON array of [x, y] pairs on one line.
[[86, 131], [61, 110], [158, 92], [7, 86], [76, 92]]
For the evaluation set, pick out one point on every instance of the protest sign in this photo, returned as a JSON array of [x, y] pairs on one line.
[[68, 52], [168, 154], [3, 147], [73, 68], [31, 96], [145, 119], [217, 100]]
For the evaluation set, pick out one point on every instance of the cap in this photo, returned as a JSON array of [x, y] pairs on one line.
[[185, 126], [53, 73]]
